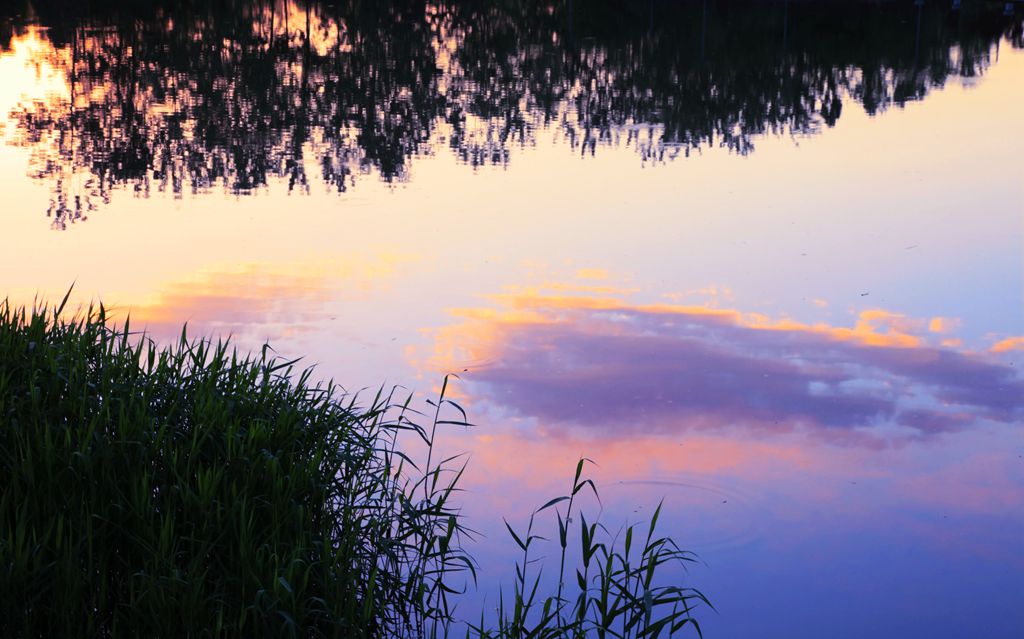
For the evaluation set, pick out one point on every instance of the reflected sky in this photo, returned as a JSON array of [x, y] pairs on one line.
[[600, 363], [793, 308]]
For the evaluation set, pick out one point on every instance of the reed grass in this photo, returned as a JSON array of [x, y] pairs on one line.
[[613, 592], [188, 490]]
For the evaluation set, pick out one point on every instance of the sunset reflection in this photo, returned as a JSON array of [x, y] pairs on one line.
[[761, 260], [249, 303], [605, 364], [253, 298]]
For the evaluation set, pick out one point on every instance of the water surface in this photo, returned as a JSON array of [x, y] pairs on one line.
[[762, 260]]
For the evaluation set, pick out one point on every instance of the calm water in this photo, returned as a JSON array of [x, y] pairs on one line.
[[762, 260]]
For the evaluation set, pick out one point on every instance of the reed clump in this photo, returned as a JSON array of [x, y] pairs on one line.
[[191, 491]]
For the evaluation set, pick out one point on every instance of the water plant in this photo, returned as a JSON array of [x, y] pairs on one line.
[[614, 591], [188, 490]]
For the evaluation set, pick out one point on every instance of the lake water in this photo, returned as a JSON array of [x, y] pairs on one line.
[[762, 260]]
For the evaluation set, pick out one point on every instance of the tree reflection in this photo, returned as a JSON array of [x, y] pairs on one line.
[[188, 97]]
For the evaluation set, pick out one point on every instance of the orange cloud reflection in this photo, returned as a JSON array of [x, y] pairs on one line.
[[251, 301], [271, 299], [1009, 344], [239, 300], [605, 365]]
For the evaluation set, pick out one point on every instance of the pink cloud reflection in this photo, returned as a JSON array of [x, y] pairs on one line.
[[608, 366]]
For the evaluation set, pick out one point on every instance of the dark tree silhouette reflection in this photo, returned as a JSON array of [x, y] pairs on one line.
[[187, 97]]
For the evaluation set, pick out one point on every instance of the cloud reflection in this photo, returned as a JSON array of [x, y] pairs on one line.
[[257, 302], [234, 301], [604, 364]]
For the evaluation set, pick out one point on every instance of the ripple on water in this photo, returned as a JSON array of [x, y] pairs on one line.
[[702, 514]]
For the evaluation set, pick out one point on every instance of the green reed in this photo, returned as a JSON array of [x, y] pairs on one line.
[[613, 592], [192, 491]]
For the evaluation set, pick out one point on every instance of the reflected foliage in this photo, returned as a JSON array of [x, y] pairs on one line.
[[192, 96]]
